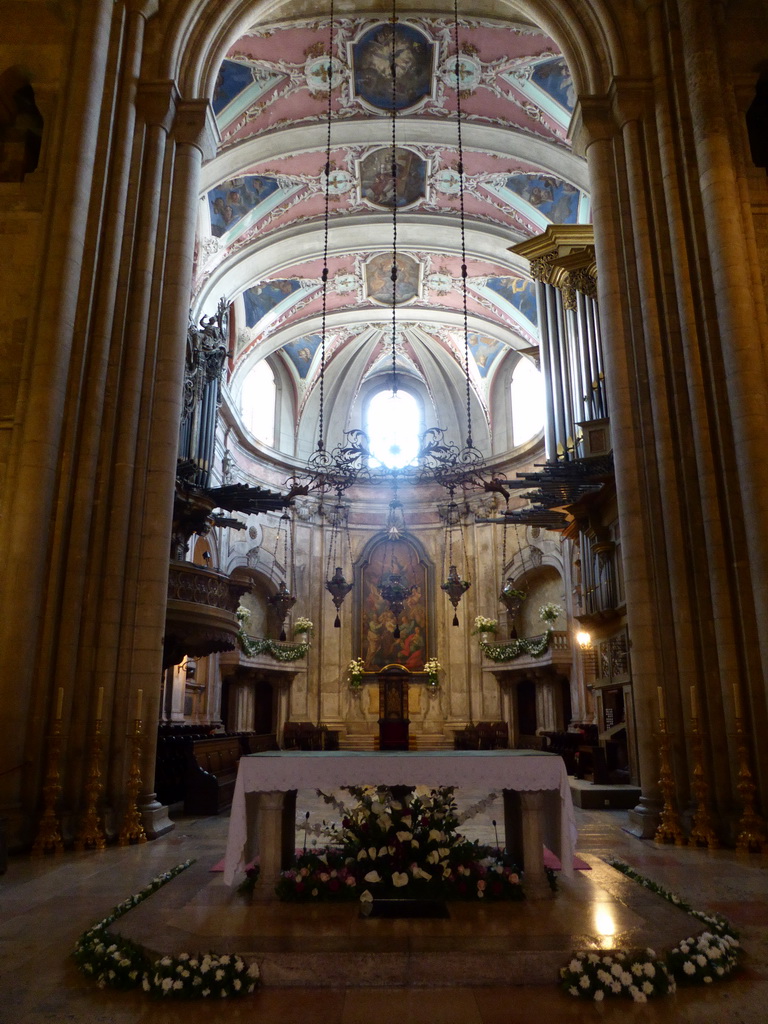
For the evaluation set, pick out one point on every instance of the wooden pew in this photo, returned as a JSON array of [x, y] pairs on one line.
[[211, 774]]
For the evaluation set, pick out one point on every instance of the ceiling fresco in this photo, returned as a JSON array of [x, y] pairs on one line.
[[261, 228]]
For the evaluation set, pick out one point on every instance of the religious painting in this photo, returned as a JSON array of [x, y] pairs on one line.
[[518, 293], [232, 79], [239, 86], [302, 351], [263, 298], [414, 55], [233, 199], [380, 188], [558, 200], [380, 647], [378, 278], [553, 77], [485, 350]]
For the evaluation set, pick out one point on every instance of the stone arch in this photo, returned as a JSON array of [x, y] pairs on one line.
[[589, 37]]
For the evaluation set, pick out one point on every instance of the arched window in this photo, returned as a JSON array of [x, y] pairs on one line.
[[257, 402], [393, 425], [527, 399]]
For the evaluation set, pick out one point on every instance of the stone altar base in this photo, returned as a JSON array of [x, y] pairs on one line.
[[330, 945]]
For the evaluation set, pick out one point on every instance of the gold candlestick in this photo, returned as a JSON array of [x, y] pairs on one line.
[[48, 838], [752, 831], [133, 829], [91, 834], [669, 830], [702, 832]]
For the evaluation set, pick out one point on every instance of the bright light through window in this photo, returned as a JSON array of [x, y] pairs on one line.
[[527, 392], [257, 403], [393, 428]]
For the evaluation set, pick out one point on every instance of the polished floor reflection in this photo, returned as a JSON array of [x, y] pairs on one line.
[[374, 971]]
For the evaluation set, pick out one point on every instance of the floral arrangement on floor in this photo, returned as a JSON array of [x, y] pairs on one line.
[[534, 646], [411, 848], [116, 962], [303, 625], [432, 667], [637, 975], [550, 611], [709, 957], [355, 669], [485, 625]]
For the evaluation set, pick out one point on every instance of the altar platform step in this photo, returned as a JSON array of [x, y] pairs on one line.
[[330, 945], [595, 797], [356, 741]]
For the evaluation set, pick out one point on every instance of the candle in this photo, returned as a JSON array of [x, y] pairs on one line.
[[60, 704], [694, 710], [139, 696], [737, 700], [100, 703], [662, 710]]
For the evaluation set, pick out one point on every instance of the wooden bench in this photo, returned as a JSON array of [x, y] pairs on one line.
[[211, 774], [307, 736]]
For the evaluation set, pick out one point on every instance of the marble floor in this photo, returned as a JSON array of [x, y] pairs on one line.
[[46, 903]]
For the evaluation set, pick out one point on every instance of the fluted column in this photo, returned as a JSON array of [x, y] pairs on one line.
[[598, 140], [195, 134], [744, 362], [28, 506]]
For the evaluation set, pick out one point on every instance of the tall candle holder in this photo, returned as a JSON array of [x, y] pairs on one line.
[[669, 830], [48, 839], [752, 832], [91, 834], [702, 832], [133, 829]]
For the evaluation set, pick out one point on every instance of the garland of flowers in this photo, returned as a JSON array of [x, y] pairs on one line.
[[408, 848], [280, 651], [639, 975], [116, 962], [534, 646]]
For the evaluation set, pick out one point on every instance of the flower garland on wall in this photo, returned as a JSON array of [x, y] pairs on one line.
[[641, 975], [408, 848], [534, 646], [279, 650], [116, 962]]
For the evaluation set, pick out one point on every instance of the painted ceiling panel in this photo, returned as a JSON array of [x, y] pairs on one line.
[[263, 216]]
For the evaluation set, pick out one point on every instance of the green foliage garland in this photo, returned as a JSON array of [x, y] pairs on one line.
[[280, 651], [709, 957], [116, 962], [534, 646]]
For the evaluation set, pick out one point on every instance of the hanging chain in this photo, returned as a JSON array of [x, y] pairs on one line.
[[504, 541], [326, 225], [393, 71], [461, 218]]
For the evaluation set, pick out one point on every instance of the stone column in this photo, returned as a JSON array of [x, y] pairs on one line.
[[195, 135], [29, 500], [743, 358], [598, 139]]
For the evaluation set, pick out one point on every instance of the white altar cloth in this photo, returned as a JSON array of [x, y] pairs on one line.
[[522, 771]]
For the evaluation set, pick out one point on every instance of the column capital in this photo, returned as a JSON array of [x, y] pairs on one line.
[[146, 8], [195, 125], [156, 102], [600, 118]]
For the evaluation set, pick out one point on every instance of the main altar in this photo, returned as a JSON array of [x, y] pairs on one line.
[[538, 809]]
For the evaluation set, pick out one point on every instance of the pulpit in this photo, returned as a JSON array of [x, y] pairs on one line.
[[393, 708]]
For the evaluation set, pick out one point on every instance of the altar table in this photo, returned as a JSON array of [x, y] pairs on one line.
[[538, 808]]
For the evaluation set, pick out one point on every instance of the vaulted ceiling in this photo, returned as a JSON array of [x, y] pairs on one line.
[[263, 243]]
